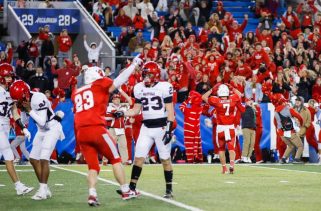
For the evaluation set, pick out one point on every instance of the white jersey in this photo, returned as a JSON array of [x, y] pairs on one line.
[[42, 108], [6, 103], [153, 100]]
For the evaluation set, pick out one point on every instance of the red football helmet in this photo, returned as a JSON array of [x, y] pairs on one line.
[[20, 91], [6, 70], [152, 70]]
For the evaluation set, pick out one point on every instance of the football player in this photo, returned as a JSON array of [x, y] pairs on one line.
[[8, 108], [38, 107], [155, 100], [225, 106], [90, 103]]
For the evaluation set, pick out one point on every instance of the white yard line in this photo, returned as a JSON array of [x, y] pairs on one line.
[[293, 170], [173, 202]]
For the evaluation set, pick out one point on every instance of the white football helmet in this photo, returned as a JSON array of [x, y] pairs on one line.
[[223, 91], [92, 74]]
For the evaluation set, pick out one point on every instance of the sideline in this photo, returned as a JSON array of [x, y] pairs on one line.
[[173, 202]]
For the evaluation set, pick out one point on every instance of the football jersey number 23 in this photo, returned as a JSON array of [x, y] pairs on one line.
[[84, 101], [156, 99]]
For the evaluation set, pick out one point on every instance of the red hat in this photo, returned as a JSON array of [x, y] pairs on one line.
[[155, 40], [279, 69], [284, 33], [161, 18], [219, 3]]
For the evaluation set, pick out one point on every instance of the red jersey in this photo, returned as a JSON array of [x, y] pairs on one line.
[[90, 103], [226, 109]]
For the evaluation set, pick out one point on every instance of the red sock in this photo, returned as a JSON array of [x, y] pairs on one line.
[[232, 163], [224, 168]]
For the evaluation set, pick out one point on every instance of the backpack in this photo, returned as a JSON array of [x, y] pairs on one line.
[[286, 122]]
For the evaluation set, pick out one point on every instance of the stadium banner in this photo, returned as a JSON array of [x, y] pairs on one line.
[[268, 139], [57, 19]]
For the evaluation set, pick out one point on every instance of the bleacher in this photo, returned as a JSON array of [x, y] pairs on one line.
[[238, 9]]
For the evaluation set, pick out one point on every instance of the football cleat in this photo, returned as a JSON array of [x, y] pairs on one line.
[[297, 161], [22, 190], [168, 195], [48, 193], [93, 201], [130, 194], [40, 195], [283, 161]]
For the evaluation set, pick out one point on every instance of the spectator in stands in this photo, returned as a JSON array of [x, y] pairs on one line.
[[39, 81], [64, 74], [139, 21], [6, 56], [124, 39], [93, 51], [162, 6], [253, 90], [122, 19], [21, 4], [33, 51], [64, 44], [108, 17], [205, 7], [159, 27], [137, 43], [220, 11], [203, 86], [47, 49], [46, 4], [130, 10], [196, 18], [145, 8], [27, 71], [22, 51], [280, 85], [98, 10], [305, 84]]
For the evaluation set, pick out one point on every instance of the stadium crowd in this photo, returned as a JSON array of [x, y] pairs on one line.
[[196, 49]]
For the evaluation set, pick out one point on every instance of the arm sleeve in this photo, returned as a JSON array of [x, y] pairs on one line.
[[86, 45], [123, 76], [137, 95], [40, 117]]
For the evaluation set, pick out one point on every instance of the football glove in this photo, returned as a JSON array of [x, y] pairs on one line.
[[26, 133], [118, 114], [137, 60], [168, 133]]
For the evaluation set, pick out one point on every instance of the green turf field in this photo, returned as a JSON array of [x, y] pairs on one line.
[[197, 187]]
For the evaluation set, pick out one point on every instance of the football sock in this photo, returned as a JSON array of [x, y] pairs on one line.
[[18, 184], [43, 186], [92, 192], [136, 171], [168, 178], [124, 188], [224, 168], [232, 163]]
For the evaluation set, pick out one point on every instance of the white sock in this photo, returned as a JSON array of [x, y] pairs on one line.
[[124, 188], [43, 186], [18, 184], [92, 192]]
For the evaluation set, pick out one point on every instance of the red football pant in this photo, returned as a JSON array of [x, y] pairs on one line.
[[230, 143], [257, 149], [129, 139], [280, 146], [96, 140], [311, 139]]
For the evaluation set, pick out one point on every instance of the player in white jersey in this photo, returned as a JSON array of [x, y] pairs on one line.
[[8, 108], [49, 131], [155, 100]]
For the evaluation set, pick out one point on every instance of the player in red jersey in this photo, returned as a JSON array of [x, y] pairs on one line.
[[90, 103], [226, 106]]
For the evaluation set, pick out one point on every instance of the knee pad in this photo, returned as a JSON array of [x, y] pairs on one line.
[[7, 154]]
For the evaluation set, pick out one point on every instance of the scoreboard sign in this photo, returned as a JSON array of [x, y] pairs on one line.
[[57, 19]]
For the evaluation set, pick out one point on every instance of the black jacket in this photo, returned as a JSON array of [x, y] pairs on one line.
[[249, 118]]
